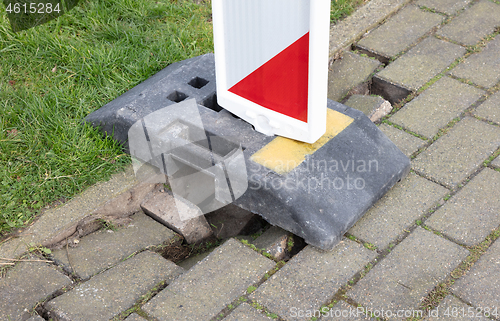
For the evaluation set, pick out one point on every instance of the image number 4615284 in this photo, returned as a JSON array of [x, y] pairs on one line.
[[25, 14]]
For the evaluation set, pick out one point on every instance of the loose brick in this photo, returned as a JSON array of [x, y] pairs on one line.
[[473, 24], [399, 32], [311, 278], [211, 285], [408, 273], [451, 309], [421, 63], [387, 219], [482, 67], [245, 312], [115, 290], [274, 242], [105, 248], [471, 214], [444, 6], [490, 109], [25, 285], [437, 106], [374, 107], [460, 152], [407, 143], [481, 285]]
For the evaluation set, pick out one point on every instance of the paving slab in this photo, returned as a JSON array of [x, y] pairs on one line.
[[374, 107], [490, 109], [115, 290], [25, 285], [481, 285], [450, 309], [387, 219], [345, 312], [273, 241], [436, 107], [445, 6], [456, 155], [473, 213], [482, 67], [407, 274], [496, 162], [421, 63], [473, 24], [36, 318], [407, 143], [245, 312], [212, 284], [105, 248], [350, 71], [134, 317], [311, 278], [399, 32]]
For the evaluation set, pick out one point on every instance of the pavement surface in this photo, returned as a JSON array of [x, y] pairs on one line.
[[428, 250]]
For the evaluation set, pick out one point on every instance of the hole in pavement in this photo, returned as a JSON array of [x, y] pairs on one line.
[[177, 96], [211, 102], [198, 82]]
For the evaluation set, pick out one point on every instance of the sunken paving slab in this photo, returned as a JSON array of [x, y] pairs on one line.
[[345, 312], [445, 6], [245, 312], [399, 32], [311, 278], [25, 285], [105, 248], [459, 153], [408, 273], [473, 24], [451, 309], [387, 219], [436, 107], [473, 213], [274, 242], [490, 109], [483, 67], [115, 290], [421, 63], [212, 284], [350, 71], [374, 107], [481, 285], [407, 143]]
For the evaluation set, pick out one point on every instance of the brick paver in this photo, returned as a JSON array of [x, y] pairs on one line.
[[444, 6], [473, 24], [490, 109], [115, 290], [436, 106], [460, 152], [496, 162], [450, 309], [387, 219], [482, 67], [408, 273], [245, 312], [211, 285], [311, 278], [421, 63], [400, 31], [407, 143], [134, 317], [345, 312], [481, 285], [36, 318], [471, 214]]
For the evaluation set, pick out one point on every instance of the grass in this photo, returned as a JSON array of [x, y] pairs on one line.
[[54, 75]]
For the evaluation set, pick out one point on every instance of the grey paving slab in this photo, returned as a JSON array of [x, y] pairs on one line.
[[211, 285], [311, 278], [115, 290], [134, 317], [473, 213], [408, 273], [444, 6], [245, 312], [490, 109], [36, 318], [400, 31], [348, 72], [387, 218], [483, 67], [407, 143], [450, 309], [456, 155], [345, 312], [481, 285], [436, 107], [421, 63], [473, 24], [25, 285], [496, 162], [105, 248], [374, 107]]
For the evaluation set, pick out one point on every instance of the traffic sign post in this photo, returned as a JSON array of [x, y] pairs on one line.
[[271, 61]]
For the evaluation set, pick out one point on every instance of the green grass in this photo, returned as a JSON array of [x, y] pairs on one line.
[[55, 74]]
